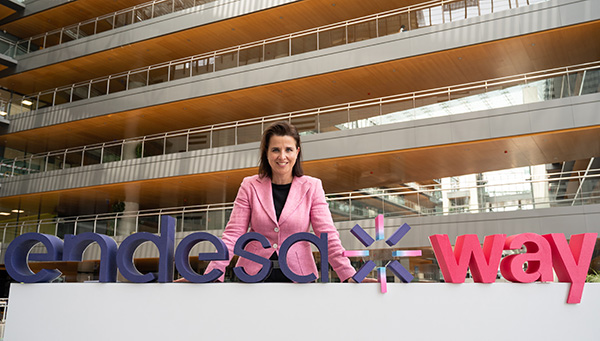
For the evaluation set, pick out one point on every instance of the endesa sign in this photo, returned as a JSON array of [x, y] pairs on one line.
[[544, 253]]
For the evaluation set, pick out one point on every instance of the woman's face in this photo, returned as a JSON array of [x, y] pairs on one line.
[[282, 154]]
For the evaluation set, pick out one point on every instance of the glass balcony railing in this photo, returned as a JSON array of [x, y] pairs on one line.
[[373, 26], [128, 16], [535, 193], [496, 93]]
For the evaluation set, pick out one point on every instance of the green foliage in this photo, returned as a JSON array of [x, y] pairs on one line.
[[593, 278]]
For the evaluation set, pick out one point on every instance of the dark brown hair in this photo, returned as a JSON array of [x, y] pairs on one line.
[[278, 129]]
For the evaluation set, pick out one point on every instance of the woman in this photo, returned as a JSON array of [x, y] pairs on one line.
[[278, 202]]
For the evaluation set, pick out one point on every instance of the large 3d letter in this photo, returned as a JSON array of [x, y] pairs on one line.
[[468, 252], [538, 258], [571, 262], [239, 250], [15, 258], [182, 261], [320, 243], [76, 245], [165, 244]]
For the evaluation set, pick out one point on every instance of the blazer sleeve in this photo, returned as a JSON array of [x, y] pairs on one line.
[[321, 221], [237, 225]]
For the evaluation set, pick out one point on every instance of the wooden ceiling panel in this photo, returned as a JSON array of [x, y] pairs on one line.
[[469, 64], [338, 175]]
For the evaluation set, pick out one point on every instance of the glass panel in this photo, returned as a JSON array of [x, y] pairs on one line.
[[485, 7], [54, 162], [45, 100], [366, 208], [556, 87], [500, 5], [591, 83], [159, 74], [194, 221], [223, 137], [117, 84], [455, 94], [84, 226], [435, 16], [132, 150], [397, 111], [472, 8], [138, 79], [304, 44], [36, 44], [123, 19], [340, 209], [80, 92], [48, 228], [277, 50], [249, 133], [87, 29], [163, 8], [365, 116], [125, 225], [37, 164], [204, 65], [218, 219], [99, 88], [331, 121], [446, 13], [6, 168], [199, 141], [153, 147], [333, 37], [226, 61], [112, 153], [362, 31], [73, 159], [105, 226], [65, 227], [389, 25], [176, 144], [92, 156], [251, 55], [143, 13], [148, 224], [457, 10], [62, 96], [305, 124], [105, 24], [183, 4], [180, 70], [52, 39], [69, 34]]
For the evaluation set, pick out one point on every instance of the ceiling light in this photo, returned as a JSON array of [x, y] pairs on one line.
[[18, 211], [3, 113], [4, 213], [26, 102]]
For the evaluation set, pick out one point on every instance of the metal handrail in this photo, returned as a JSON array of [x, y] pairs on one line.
[[348, 202], [114, 150], [207, 62]]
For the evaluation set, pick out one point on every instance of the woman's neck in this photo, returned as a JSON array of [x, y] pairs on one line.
[[282, 180]]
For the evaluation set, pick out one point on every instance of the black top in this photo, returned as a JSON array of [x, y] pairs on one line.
[[280, 193]]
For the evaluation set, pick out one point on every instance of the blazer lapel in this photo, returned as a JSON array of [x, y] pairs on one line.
[[265, 196], [295, 196]]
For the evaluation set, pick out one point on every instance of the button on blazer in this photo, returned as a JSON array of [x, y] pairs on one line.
[[254, 211]]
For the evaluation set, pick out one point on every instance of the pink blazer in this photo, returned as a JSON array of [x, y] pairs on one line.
[[254, 211]]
